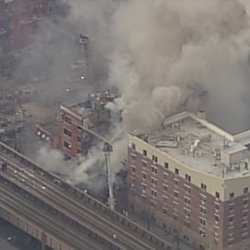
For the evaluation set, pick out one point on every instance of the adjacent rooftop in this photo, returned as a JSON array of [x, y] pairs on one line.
[[196, 142]]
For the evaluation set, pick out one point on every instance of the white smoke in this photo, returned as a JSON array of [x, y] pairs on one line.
[[83, 170], [163, 48], [161, 54], [52, 160]]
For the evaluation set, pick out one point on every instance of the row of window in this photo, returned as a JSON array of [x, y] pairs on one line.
[[187, 177], [69, 133]]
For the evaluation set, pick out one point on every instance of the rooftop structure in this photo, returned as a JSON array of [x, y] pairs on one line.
[[199, 144]]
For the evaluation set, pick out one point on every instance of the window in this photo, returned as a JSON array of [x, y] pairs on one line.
[[203, 186], [203, 234], [216, 217], [203, 210], [245, 202], [230, 219], [165, 187], [144, 176], [154, 193], [231, 195], [187, 189], [133, 169], [187, 201], [144, 152], [217, 195], [153, 181], [245, 190], [164, 210], [66, 144], [244, 213], [187, 212], [188, 177], [244, 225], [176, 194], [154, 170], [68, 120], [202, 221], [133, 146], [155, 158], [176, 171], [166, 165], [175, 216], [67, 132]]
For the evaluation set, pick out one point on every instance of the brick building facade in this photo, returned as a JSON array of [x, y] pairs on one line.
[[208, 206], [80, 126]]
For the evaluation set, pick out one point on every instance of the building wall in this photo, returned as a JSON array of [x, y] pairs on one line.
[[213, 183], [187, 199], [69, 139], [236, 222], [173, 200]]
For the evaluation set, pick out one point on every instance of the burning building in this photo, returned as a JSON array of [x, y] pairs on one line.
[[193, 176], [76, 120], [79, 125]]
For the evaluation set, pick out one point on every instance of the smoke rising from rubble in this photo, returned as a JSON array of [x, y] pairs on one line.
[[164, 49], [89, 170], [85, 170]]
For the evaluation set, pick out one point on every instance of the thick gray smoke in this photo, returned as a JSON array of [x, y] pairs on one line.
[[160, 54], [91, 169], [85, 170], [165, 49]]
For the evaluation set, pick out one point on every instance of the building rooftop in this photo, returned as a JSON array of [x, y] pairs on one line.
[[194, 141], [94, 102]]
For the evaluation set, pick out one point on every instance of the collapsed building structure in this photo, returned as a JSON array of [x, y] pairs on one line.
[[79, 126], [193, 176]]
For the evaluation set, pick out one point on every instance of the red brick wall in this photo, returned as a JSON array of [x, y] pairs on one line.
[[70, 123], [177, 201]]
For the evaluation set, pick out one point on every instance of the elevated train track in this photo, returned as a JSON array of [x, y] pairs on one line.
[[28, 207], [76, 205]]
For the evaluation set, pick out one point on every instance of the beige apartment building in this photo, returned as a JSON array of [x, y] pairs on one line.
[[193, 176]]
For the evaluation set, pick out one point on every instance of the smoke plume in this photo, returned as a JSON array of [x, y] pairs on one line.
[[165, 49], [168, 55], [162, 55]]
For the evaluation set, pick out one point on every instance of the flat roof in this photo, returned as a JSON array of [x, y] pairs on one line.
[[199, 144]]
